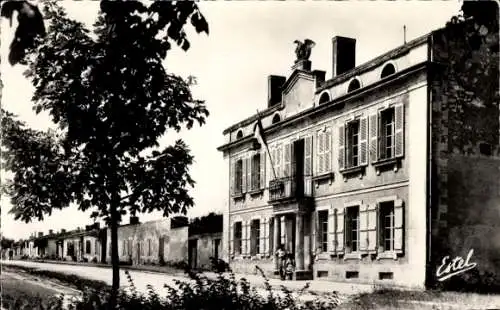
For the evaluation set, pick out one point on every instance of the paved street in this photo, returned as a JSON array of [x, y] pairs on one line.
[[158, 280]]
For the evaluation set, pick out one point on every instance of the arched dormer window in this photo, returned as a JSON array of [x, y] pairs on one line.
[[324, 98], [239, 135], [276, 118], [387, 70], [353, 85]]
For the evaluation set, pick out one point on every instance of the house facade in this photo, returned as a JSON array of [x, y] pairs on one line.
[[153, 242], [370, 176], [205, 241]]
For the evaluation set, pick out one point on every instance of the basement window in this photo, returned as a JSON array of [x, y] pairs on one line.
[[385, 275], [351, 274]]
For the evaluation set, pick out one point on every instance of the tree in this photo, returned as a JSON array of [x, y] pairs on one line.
[[111, 100]]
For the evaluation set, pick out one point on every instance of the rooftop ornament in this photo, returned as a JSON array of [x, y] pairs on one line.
[[303, 50]]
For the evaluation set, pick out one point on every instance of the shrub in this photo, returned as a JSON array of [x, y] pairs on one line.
[[224, 292]]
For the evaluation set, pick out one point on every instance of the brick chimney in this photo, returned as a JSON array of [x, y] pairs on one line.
[[320, 77], [343, 55], [274, 88]]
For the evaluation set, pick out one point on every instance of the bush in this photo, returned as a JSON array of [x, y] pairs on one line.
[[224, 292]]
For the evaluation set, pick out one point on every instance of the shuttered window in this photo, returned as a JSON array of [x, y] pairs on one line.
[[238, 177], [387, 133], [353, 144], [237, 239], [323, 230], [256, 170], [255, 237], [352, 229]]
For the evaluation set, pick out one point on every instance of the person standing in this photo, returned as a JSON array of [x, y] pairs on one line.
[[280, 254], [289, 266]]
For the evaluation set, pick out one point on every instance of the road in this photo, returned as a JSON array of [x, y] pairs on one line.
[[141, 279]]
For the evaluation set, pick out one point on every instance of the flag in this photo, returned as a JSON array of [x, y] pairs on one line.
[[260, 137], [259, 132]]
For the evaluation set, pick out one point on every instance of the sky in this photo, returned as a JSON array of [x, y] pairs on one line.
[[248, 41]]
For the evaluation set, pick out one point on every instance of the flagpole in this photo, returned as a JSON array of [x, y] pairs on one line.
[[267, 149]]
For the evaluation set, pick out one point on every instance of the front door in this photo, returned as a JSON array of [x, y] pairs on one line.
[[161, 247], [192, 253]]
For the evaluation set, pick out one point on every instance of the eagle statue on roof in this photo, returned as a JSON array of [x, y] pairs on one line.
[[303, 50]]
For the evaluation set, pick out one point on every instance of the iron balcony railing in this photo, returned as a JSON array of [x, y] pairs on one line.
[[291, 187]]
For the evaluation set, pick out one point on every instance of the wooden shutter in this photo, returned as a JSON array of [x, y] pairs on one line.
[[341, 147], [363, 225], [327, 157], [262, 181], [270, 235], [249, 173], [398, 226], [277, 166], [243, 175], [308, 155], [287, 159], [372, 228], [243, 237], [315, 232], [373, 137], [272, 165], [399, 130], [232, 169], [331, 231], [320, 141], [363, 141], [340, 231], [262, 235], [231, 239]]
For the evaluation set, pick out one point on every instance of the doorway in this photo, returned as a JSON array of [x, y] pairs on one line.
[[298, 167], [192, 253]]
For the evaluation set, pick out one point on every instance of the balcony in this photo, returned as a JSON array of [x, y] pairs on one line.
[[290, 188]]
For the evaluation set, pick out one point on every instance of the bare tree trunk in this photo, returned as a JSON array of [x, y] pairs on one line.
[[114, 256]]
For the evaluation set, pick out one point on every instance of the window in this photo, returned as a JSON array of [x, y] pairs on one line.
[[387, 134], [87, 247], [324, 98], [239, 135], [355, 84], [256, 172], [388, 70], [387, 226], [323, 230], [352, 229], [352, 151], [255, 237], [276, 118], [149, 247], [237, 237], [238, 186]]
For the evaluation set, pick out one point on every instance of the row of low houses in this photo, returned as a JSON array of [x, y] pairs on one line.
[[165, 241]]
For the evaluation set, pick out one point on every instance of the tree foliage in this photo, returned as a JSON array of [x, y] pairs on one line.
[[112, 100]]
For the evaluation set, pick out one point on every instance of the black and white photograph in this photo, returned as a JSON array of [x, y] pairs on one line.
[[257, 155]]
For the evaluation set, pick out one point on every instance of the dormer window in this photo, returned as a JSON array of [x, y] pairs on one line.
[[355, 84], [324, 98], [387, 70], [276, 118], [239, 135]]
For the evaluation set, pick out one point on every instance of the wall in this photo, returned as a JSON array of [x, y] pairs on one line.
[[465, 183], [205, 249], [173, 242]]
